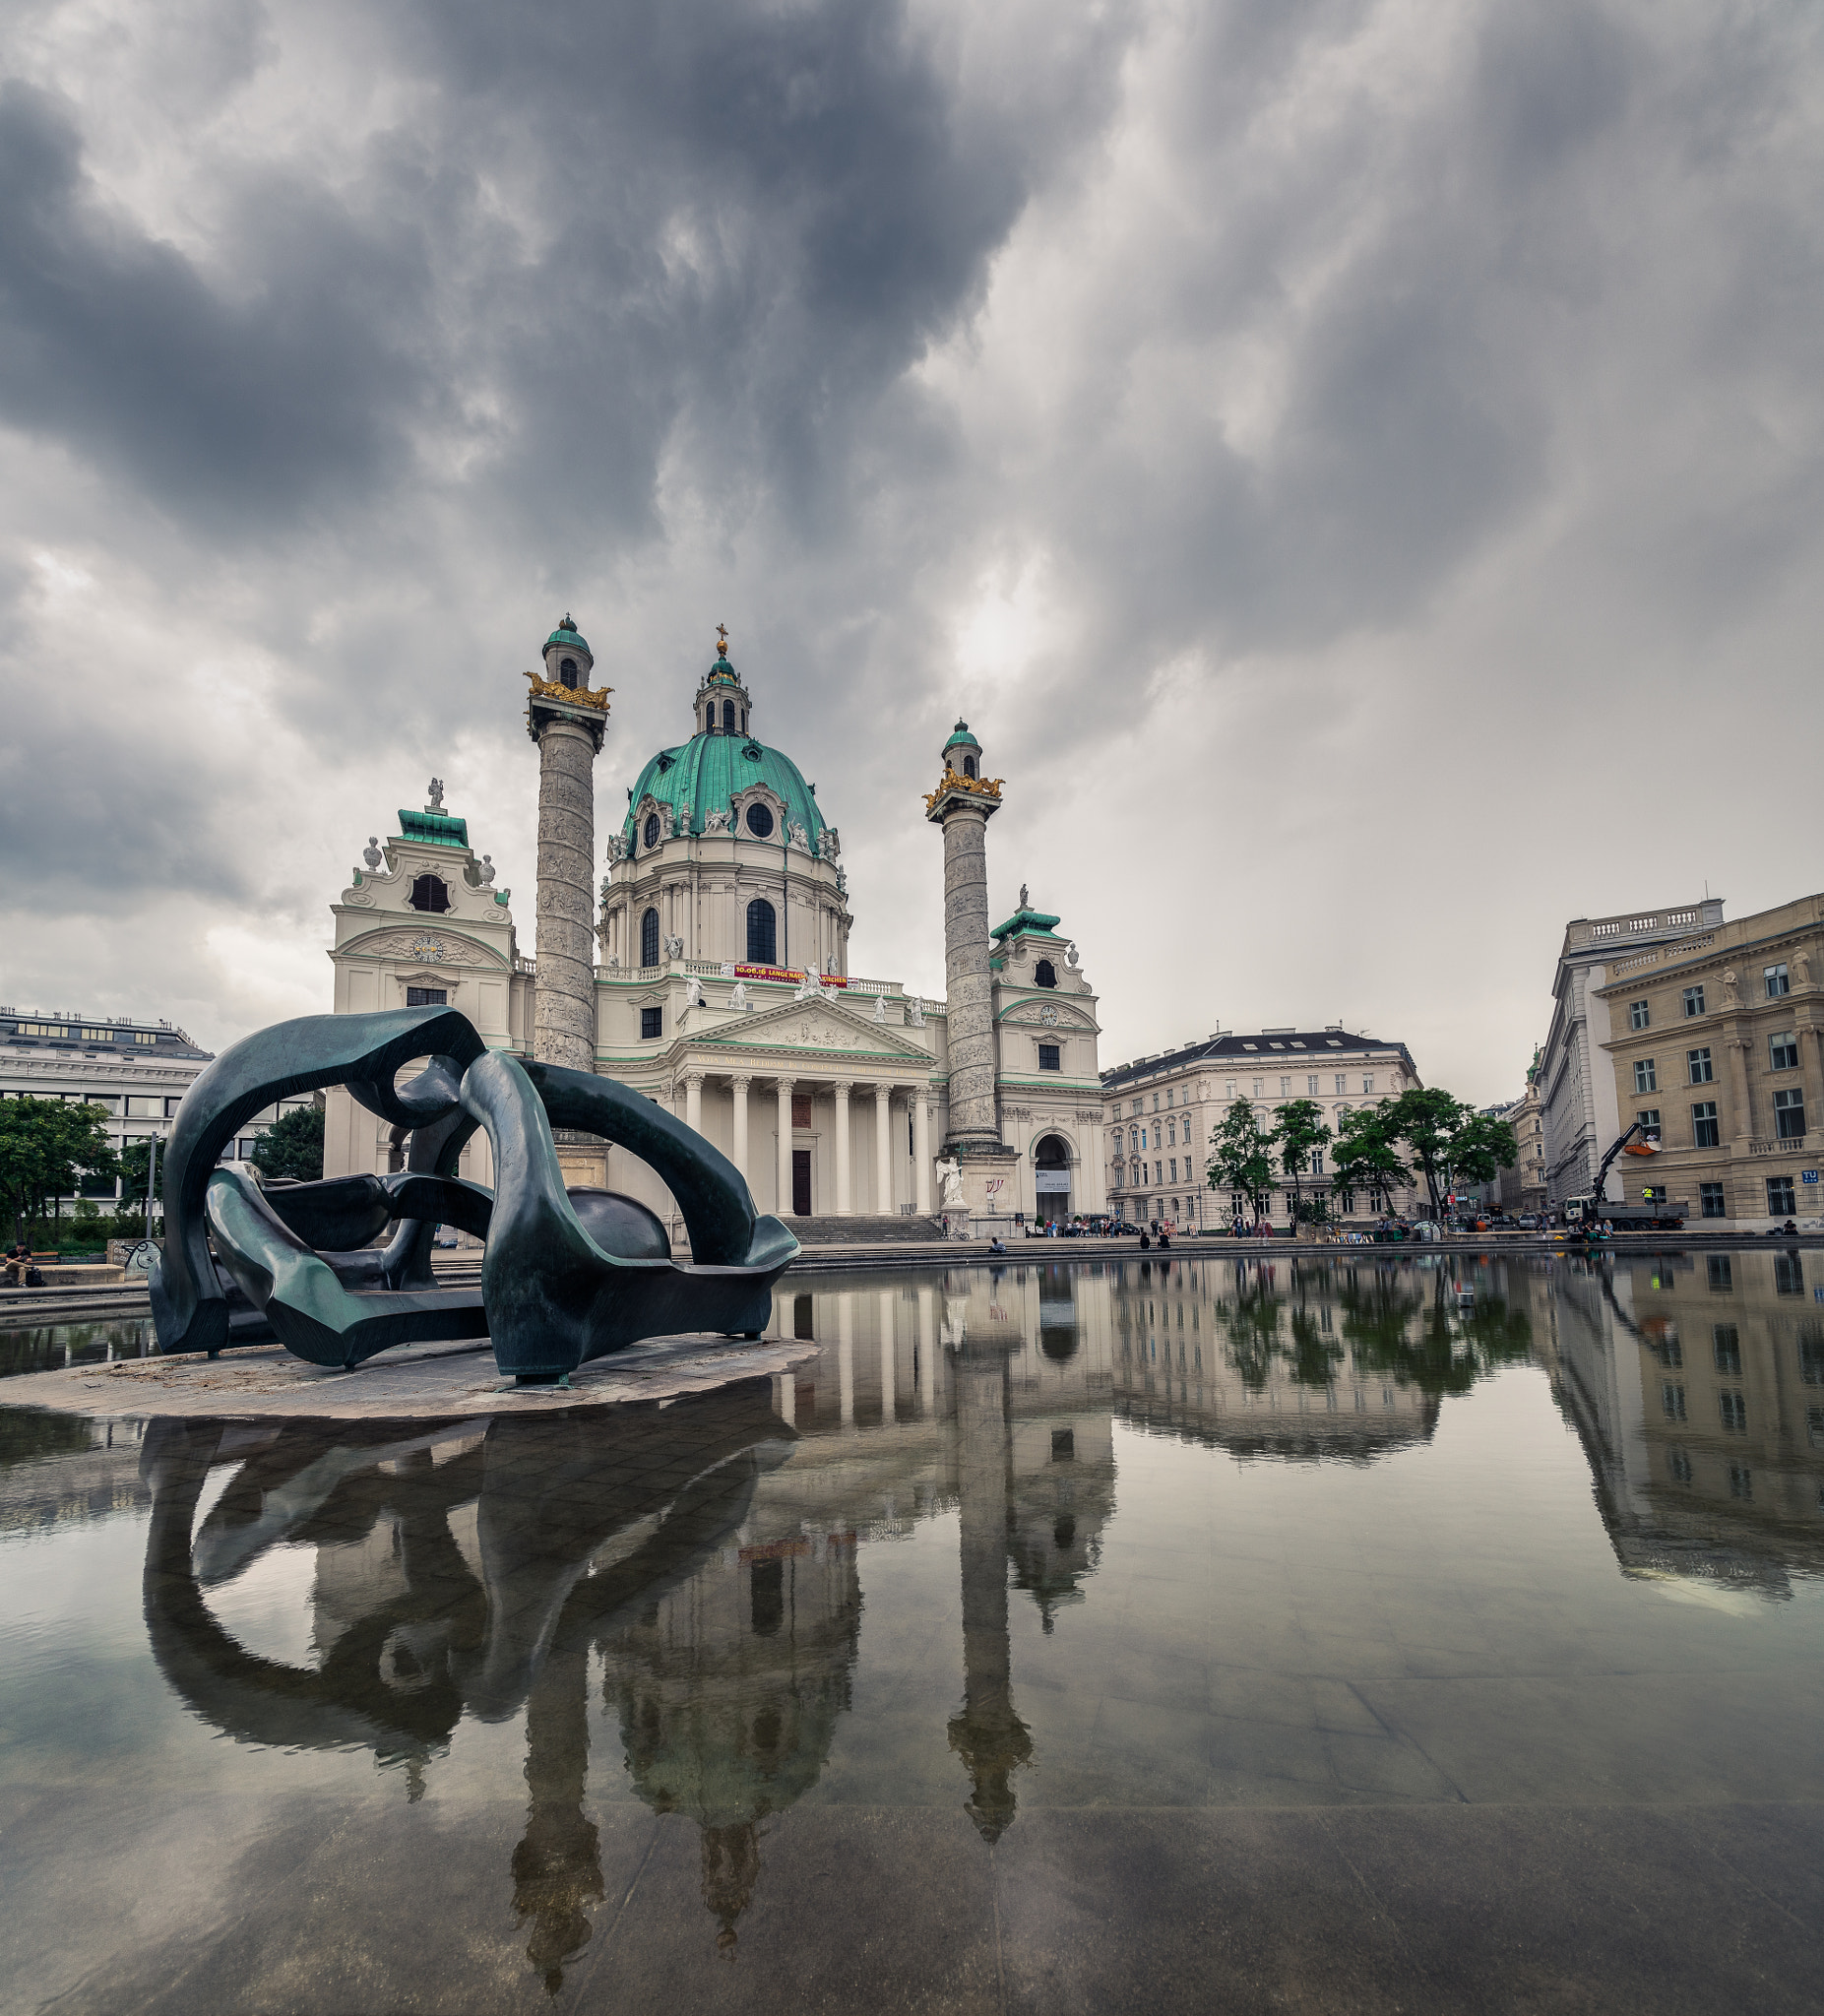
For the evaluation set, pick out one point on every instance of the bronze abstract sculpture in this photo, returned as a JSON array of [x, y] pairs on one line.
[[567, 1276]]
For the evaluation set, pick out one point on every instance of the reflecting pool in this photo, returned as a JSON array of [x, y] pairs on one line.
[[1325, 1632]]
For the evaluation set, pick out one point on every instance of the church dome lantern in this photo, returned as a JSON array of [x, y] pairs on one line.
[[962, 753], [568, 658]]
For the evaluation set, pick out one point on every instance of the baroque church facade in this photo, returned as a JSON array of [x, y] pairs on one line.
[[708, 968]]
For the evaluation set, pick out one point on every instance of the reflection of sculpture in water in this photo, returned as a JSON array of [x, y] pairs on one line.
[[414, 1631]]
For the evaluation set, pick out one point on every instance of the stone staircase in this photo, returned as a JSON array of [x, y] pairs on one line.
[[864, 1231]]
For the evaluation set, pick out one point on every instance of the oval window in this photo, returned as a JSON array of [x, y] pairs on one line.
[[650, 834], [760, 821]]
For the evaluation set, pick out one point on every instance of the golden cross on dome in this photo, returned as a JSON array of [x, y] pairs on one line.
[[722, 640]]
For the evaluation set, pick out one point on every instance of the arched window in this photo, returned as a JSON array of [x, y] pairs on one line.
[[428, 893], [743, 720], [727, 716], [566, 670], [1044, 975], [760, 820], [648, 938], [762, 933], [648, 836], [969, 767]]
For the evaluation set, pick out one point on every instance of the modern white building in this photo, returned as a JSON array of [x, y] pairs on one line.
[[137, 1070], [722, 987]]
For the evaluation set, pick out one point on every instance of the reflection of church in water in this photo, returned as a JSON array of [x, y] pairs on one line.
[[704, 1564]]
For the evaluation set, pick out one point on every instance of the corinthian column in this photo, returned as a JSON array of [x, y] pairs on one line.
[[883, 1148], [844, 1201], [739, 1157]]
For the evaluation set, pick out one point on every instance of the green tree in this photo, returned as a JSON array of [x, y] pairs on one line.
[[1301, 1134], [292, 1146], [1448, 1138], [1241, 1156], [1365, 1156], [46, 1147]]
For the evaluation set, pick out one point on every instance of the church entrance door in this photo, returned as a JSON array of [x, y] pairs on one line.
[[802, 1182], [1051, 1178]]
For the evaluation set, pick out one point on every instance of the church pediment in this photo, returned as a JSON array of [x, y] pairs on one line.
[[431, 946], [1043, 1014], [813, 1026]]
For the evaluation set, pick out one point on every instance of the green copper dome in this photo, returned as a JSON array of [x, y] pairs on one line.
[[564, 634], [722, 672], [703, 776], [963, 738]]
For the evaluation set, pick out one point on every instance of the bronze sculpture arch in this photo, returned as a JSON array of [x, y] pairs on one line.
[[567, 1276]]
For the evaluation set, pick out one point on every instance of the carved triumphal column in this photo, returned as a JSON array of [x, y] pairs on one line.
[[963, 804], [567, 719]]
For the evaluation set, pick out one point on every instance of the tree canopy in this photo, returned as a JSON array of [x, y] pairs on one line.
[[292, 1146], [1448, 1138], [1300, 1133], [1366, 1157], [46, 1147], [1241, 1156]]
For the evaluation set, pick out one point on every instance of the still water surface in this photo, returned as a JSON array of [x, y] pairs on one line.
[[1050, 1616]]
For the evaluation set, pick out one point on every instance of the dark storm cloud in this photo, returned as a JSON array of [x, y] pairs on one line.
[[291, 393]]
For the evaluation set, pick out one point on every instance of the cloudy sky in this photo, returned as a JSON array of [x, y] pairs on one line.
[[1355, 463]]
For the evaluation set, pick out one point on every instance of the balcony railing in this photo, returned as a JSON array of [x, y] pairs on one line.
[[1790, 1144]]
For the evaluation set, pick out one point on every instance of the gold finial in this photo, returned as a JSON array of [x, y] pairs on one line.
[[722, 640]]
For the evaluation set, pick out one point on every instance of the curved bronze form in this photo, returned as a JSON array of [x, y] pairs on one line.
[[568, 1276]]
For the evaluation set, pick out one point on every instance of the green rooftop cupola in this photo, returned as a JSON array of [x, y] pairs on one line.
[[567, 657], [962, 753], [722, 703]]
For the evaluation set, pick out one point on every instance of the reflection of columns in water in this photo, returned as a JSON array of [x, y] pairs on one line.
[[786, 1395], [557, 1866], [927, 1353], [987, 1735], [886, 1359], [846, 1356]]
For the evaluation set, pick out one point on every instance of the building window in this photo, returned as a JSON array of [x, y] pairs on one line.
[[1790, 1114], [1367, 1087], [1646, 1075], [652, 1023], [1175, 1175], [1342, 1082], [1704, 1130], [649, 833], [1732, 1406], [1649, 1118], [1783, 1051], [1788, 1273], [1679, 1464], [1044, 975], [428, 893], [760, 820], [566, 670], [1286, 1087], [1741, 1481], [727, 716], [1725, 1348], [1048, 1057], [1229, 1088], [427, 997], [1693, 1001], [1777, 981], [1698, 1062], [1310, 1085], [1671, 1401], [762, 933], [648, 938], [1638, 1016], [1260, 1086], [1811, 1353], [968, 766], [1780, 1197], [1720, 1273]]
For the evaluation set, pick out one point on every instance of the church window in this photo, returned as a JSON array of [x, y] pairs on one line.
[[427, 997], [428, 893], [648, 938], [567, 673], [727, 716], [1044, 975], [649, 833], [1048, 1057], [652, 1022], [762, 933], [968, 766], [760, 821]]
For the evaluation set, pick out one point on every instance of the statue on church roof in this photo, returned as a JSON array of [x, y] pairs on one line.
[[1025, 900], [436, 797]]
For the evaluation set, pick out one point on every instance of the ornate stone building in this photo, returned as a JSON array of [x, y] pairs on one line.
[[722, 987]]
